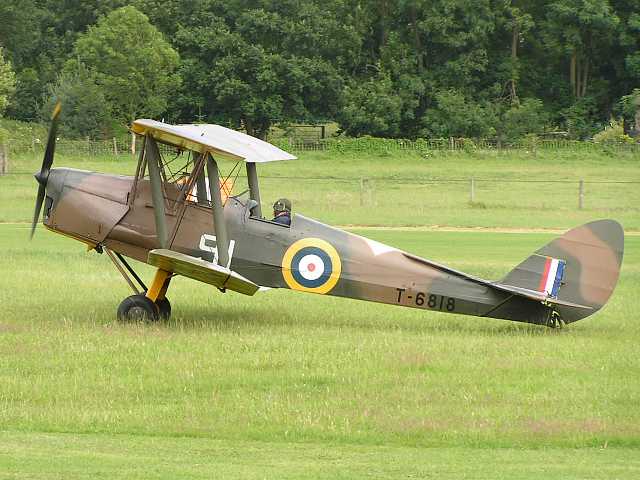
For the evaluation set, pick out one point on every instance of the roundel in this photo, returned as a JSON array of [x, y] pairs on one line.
[[311, 265]]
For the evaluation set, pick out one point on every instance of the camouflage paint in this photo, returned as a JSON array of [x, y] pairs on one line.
[[313, 257]]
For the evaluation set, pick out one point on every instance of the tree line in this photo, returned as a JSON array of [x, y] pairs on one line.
[[391, 68]]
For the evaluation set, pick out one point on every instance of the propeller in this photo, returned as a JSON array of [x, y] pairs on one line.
[[43, 175]]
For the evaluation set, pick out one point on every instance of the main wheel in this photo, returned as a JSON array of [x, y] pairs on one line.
[[164, 306], [138, 308]]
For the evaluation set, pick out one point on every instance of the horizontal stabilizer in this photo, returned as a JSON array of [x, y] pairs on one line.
[[201, 270], [539, 296], [542, 283]]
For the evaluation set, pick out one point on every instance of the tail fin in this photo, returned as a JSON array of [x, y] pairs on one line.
[[581, 267]]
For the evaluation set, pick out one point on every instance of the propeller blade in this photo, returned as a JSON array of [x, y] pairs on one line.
[[36, 213], [47, 161], [51, 141]]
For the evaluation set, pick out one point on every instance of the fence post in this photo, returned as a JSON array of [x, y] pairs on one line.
[[133, 143], [372, 192], [451, 144], [4, 159], [363, 184], [581, 195], [115, 146], [472, 192], [367, 191]]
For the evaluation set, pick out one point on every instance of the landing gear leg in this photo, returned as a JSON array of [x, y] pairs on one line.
[[120, 263], [157, 293]]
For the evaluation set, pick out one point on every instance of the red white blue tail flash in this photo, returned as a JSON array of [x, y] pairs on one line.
[[552, 276]]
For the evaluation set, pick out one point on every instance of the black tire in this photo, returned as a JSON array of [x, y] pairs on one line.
[[138, 308], [164, 306]]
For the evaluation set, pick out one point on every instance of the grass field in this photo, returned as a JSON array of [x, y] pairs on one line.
[[288, 385]]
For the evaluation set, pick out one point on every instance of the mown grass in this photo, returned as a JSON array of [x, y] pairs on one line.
[[289, 370], [88, 456], [512, 189]]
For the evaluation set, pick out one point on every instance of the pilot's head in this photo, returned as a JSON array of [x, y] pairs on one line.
[[282, 205]]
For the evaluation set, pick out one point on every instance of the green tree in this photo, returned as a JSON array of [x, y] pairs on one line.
[[629, 44], [20, 30], [7, 82], [39, 36], [524, 118], [633, 58], [240, 73], [457, 35], [629, 107], [28, 95], [372, 108], [131, 62], [433, 48], [520, 22], [581, 118], [454, 115], [253, 63], [581, 30], [86, 110]]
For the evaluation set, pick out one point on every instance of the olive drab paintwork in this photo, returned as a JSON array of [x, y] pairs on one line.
[[568, 279]]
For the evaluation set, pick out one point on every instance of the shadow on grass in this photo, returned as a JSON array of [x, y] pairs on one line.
[[267, 318], [289, 311]]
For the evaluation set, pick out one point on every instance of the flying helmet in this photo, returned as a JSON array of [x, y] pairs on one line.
[[282, 205]]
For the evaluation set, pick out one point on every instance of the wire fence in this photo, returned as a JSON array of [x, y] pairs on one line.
[[86, 148], [478, 200], [409, 200], [124, 146], [479, 191], [474, 200], [373, 145]]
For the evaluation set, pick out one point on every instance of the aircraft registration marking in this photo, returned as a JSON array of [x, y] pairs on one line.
[[427, 300]]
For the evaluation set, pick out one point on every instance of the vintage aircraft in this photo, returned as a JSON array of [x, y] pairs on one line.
[[176, 214]]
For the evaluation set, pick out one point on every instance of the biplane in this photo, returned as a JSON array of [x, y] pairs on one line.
[[177, 214]]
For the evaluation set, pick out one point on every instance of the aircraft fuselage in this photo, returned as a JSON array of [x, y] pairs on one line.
[[102, 209]]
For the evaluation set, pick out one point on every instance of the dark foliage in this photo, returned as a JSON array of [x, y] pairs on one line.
[[394, 68]]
